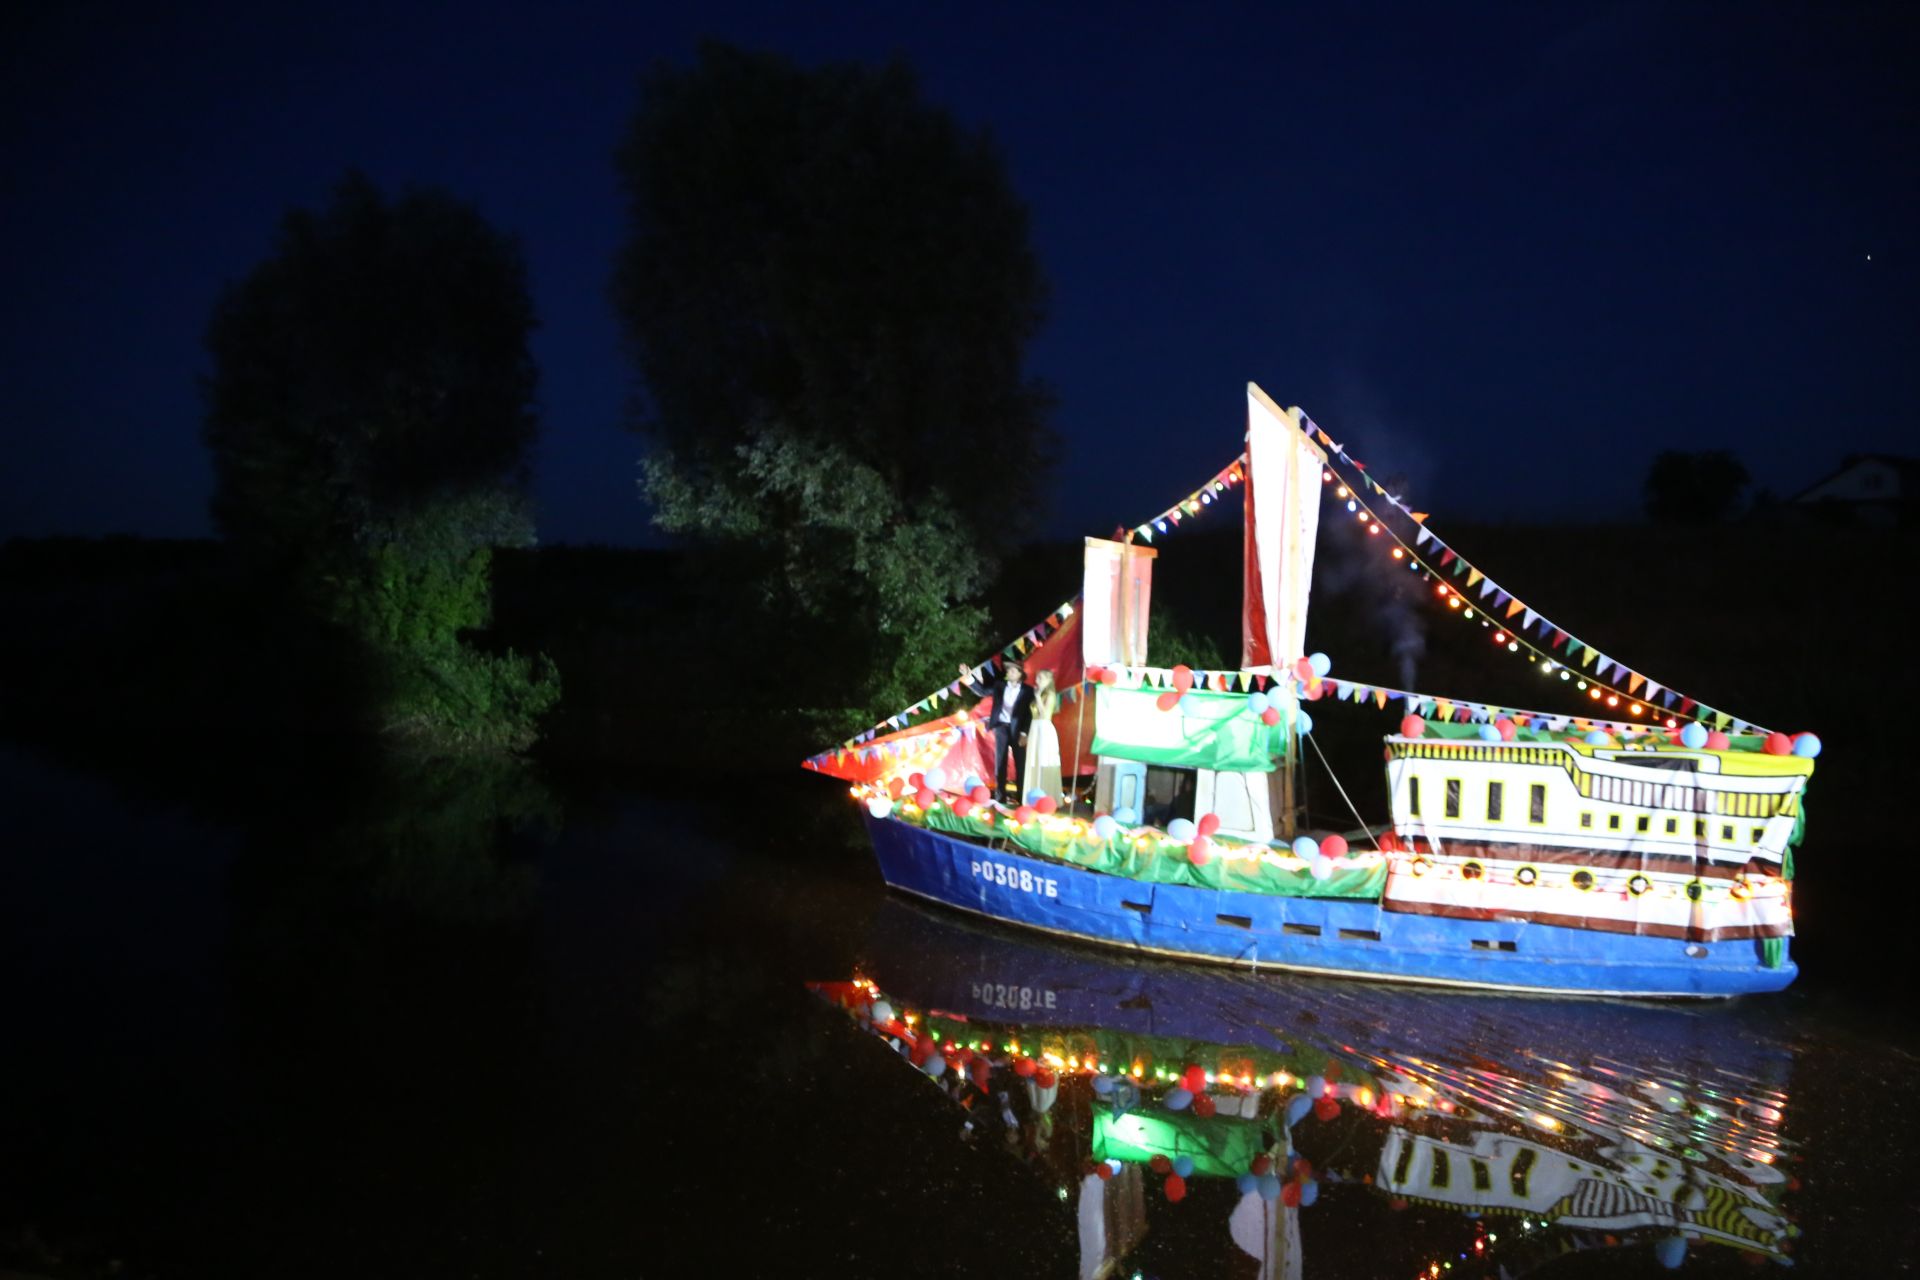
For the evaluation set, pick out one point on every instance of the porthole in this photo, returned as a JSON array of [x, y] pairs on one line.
[[1526, 875], [1471, 871], [1740, 891], [1694, 890], [1638, 885], [1420, 866], [1583, 880]]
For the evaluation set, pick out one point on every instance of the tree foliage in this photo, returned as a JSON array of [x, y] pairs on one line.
[[368, 413], [824, 250], [1695, 488]]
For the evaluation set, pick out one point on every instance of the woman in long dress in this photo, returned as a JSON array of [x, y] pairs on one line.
[[1043, 743]]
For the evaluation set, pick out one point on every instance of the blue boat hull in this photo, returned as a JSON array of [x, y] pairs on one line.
[[1358, 939]]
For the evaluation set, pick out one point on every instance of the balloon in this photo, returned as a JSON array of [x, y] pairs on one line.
[[1598, 738], [1305, 846], [896, 787], [1183, 1166], [1489, 734], [1045, 1078], [1246, 1184], [1176, 1188], [1320, 663], [1506, 728], [1105, 827], [1303, 723], [1297, 1108], [1256, 702], [1320, 868], [1718, 741], [962, 807], [1160, 1164], [1167, 700], [1315, 1086], [1670, 1252], [1309, 1192], [1108, 675], [1334, 846], [935, 1065], [1183, 677], [1270, 717], [1095, 672], [1189, 704], [1178, 1099], [1303, 668], [1208, 824], [979, 794], [1194, 1078], [1034, 794], [1023, 814], [1326, 1109], [1200, 852], [1104, 1170], [1262, 1164], [882, 1011], [918, 781], [1290, 1195], [1269, 1187], [1694, 735], [1126, 817], [936, 778], [879, 806], [1203, 1104], [1806, 745], [1181, 829], [924, 798], [1412, 726], [1044, 805], [972, 781], [1103, 1085], [1779, 744], [1316, 689], [1024, 1066]]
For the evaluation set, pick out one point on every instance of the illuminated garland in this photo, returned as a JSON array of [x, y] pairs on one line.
[[1608, 674], [1196, 502]]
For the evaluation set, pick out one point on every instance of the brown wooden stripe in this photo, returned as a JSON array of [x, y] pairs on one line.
[[1593, 924]]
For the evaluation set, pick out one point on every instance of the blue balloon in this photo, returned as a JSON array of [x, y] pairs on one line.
[[1309, 1192], [973, 780], [1806, 745], [1126, 817], [1257, 702], [1297, 1108], [1694, 735], [1188, 703], [1114, 1163], [1182, 829], [1246, 1184], [1316, 1086], [935, 1066], [1306, 847], [1183, 1165], [1302, 722], [1671, 1252], [936, 778], [1269, 1187], [1036, 795], [1597, 738], [1105, 827], [1178, 1099], [1103, 1085], [1320, 663], [1320, 868], [1489, 734]]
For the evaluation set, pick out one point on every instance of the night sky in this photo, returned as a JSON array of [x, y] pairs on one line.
[[1510, 252]]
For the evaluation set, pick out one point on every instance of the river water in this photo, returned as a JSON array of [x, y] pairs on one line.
[[272, 1021]]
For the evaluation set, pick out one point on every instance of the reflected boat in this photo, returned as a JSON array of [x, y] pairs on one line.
[[1196, 1121]]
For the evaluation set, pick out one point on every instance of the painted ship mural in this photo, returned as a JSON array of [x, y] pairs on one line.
[[1190, 1116], [1645, 849]]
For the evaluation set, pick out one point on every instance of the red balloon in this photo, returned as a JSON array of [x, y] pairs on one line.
[[1094, 673], [1303, 669], [1044, 1077], [1203, 1104], [1024, 1066], [1167, 700], [1183, 677], [982, 1073], [1316, 689], [1334, 846], [1262, 1165], [918, 781], [1412, 727], [1109, 676], [923, 798], [1200, 851], [1044, 805], [1290, 1195], [1176, 1188], [895, 787], [1023, 814], [1208, 824], [1105, 1171], [1302, 1170], [1506, 728], [980, 794], [1718, 741], [1270, 717], [1160, 1164], [1194, 1079], [962, 807], [1326, 1108], [1779, 744]]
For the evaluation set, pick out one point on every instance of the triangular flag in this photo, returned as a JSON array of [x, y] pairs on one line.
[[1473, 578], [1420, 538], [1514, 608], [1529, 620], [1634, 681], [1592, 653], [1459, 567], [1560, 638], [1380, 699], [1486, 587], [1447, 559]]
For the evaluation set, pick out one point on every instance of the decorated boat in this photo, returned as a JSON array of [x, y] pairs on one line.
[[1641, 847], [1192, 1117]]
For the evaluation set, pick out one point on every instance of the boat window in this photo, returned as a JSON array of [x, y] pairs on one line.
[[1494, 794], [1673, 826], [1453, 797], [1413, 797], [1169, 795], [1482, 1176], [1757, 833], [1404, 1163], [1537, 802], [1613, 822], [1586, 819], [1643, 822], [1700, 828], [1726, 833], [1517, 1176], [1442, 1172]]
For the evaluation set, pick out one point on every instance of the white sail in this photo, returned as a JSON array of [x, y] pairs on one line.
[[1282, 523]]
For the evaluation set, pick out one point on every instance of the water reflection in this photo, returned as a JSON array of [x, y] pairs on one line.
[[1201, 1122]]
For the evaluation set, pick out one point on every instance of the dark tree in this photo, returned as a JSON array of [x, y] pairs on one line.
[[825, 253], [1694, 488], [369, 414]]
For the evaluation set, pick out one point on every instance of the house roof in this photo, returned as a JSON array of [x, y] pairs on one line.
[[1907, 468]]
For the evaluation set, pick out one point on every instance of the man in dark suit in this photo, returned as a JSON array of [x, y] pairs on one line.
[[1008, 715]]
